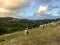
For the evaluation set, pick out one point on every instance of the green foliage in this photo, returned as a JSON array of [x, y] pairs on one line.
[[9, 25]]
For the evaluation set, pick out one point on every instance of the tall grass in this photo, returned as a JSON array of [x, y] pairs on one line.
[[36, 36]]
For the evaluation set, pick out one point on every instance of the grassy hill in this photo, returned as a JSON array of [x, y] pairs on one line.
[[10, 25], [37, 36]]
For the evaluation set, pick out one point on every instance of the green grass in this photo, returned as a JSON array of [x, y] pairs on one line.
[[36, 36]]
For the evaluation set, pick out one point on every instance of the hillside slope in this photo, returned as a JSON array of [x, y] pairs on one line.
[[37, 36], [10, 25]]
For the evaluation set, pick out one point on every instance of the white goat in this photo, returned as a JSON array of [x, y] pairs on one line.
[[26, 32]]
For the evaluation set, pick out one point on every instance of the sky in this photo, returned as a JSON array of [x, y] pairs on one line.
[[30, 9]]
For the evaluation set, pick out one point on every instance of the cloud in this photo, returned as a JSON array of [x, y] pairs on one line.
[[2, 10], [44, 16], [11, 6], [54, 6], [45, 1], [41, 10], [31, 4]]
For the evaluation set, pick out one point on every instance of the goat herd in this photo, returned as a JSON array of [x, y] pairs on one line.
[[52, 24]]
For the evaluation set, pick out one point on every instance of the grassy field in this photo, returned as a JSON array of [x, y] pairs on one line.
[[37, 36]]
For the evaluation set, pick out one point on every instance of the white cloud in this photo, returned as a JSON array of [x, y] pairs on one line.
[[41, 10], [11, 6], [2, 10]]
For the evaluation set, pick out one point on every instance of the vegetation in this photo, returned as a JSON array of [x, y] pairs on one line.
[[9, 25], [37, 36], [12, 32]]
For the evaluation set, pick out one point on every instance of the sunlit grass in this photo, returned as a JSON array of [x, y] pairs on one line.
[[36, 36]]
